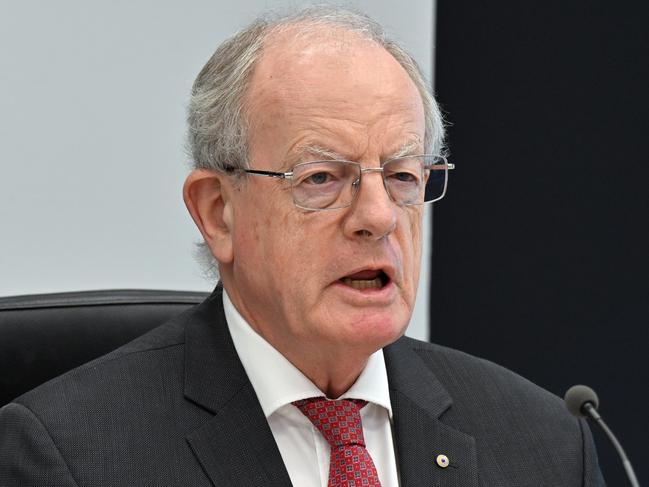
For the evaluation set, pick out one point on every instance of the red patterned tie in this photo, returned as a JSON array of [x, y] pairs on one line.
[[340, 423]]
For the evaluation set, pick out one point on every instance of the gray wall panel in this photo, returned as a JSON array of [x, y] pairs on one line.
[[92, 100]]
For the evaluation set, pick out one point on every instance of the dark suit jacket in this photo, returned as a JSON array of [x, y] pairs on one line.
[[175, 407]]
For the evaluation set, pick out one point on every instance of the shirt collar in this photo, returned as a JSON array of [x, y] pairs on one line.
[[287, 384]]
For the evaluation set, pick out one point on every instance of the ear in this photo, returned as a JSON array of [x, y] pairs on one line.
[[207, 197]]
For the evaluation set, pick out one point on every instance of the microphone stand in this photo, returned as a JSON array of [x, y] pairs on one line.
[[591, 412]]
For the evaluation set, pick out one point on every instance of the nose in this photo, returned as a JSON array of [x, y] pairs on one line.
[[373, 214]]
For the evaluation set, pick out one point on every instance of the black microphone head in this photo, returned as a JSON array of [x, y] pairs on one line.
[[577, 396]]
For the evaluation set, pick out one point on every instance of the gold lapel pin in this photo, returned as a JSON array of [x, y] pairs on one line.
[[442, 461]]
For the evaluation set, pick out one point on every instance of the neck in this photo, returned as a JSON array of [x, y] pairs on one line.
[[333, 374], [332, 367]]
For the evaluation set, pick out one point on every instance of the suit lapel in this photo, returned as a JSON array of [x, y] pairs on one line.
[[236, 446], [418, 402]]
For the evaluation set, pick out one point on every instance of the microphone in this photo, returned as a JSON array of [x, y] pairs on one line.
[[582, 402]]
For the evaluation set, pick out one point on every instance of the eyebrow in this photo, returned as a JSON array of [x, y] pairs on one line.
[[320, 151], [410, 148]]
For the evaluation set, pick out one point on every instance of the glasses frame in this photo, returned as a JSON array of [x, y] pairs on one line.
[[288, 175]]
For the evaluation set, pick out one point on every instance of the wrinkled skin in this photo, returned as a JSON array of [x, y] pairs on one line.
[[281, 265]]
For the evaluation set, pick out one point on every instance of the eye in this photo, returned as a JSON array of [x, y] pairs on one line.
[[318, 178], [406, 171], [323, 175], [404, 177]]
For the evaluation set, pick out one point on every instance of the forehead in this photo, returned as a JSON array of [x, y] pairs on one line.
[[326, 80]]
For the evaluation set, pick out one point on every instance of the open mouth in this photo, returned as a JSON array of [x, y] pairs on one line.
[[367, 279]]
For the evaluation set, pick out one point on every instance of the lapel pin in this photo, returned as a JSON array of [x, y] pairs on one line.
[[442, 461]]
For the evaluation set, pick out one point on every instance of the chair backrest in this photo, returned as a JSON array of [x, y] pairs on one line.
[[45, 335]]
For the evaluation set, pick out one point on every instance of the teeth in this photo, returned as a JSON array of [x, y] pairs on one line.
[[363, 283]]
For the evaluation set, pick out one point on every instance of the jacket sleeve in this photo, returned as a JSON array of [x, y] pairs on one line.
[[591, 472], [28, 456]]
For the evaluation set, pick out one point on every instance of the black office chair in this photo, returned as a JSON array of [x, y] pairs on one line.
[[45, 335]]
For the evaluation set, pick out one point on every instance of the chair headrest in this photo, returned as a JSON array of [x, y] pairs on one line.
[[45, 335]]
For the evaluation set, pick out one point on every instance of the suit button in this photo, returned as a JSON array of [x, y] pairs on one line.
[[442, 461]]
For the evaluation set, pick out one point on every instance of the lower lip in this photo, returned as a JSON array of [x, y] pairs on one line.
[[369, 296]]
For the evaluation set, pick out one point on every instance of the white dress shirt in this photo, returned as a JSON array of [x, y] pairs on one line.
[[278, 383]]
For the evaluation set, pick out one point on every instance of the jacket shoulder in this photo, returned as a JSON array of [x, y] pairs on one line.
[[135, 359], [98, 421], [515, 422], [477, 381]]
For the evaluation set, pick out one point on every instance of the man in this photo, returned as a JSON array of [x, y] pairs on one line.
[[316, 145]]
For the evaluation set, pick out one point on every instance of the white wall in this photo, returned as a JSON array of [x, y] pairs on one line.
[[92, 108]]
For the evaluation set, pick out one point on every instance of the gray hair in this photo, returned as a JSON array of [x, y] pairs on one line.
[[217, 125]]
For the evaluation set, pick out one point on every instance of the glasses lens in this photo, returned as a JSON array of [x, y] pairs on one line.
[[437, 169], [416, 179], [405, 179], [324, 184]]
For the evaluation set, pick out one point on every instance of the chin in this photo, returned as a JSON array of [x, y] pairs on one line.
[[376, 330]]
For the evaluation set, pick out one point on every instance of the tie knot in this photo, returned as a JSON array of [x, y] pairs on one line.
[[338, 421]]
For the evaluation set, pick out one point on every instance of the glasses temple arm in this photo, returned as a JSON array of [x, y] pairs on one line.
[[439, 167], [272, 174]]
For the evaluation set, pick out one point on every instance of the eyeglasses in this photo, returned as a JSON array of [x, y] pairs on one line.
[[332, 184]]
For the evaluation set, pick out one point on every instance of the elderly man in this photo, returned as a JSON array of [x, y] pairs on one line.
[[316, 145]]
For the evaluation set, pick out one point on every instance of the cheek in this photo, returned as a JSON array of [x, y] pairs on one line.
[[414, 243], [270, 245], [306, 257], [415, 219], [256, 216]]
